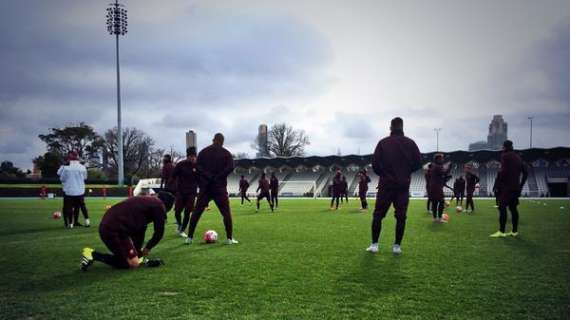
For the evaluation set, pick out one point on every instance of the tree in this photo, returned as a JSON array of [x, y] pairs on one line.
[[7, 170], [48, 164], [284, 141], [137, 148], [82, 139], [240, 155]]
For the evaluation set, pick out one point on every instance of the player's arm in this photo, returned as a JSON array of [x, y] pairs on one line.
[[228, 167], [158, 232], [416, 159], [376, 159], [524, 171]]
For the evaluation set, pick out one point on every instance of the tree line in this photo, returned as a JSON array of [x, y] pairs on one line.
[[142, 158]]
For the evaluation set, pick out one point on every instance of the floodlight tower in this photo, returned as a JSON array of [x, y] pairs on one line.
[[530, 119], [117, 26], [437, 130]]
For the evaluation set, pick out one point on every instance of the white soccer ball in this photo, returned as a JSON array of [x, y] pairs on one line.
[[459, 209], [56, 215], [210, 236]]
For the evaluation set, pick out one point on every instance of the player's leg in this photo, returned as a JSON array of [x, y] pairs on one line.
[[513, 208], [429, 205], [246, 197], [271, 205], [84, 211], [223, 203], [434, 208], [337, 200], [242, 197], [124, 254], [76, 208], [188, 208], [178, 208], [401, 202], [382, 205], [276, 203], [259, 197], [66, 211], [201, 204]]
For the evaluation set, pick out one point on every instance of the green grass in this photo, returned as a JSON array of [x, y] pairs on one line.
[[304, 262]]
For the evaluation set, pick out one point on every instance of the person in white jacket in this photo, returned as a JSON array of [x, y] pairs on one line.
[[73, 178]]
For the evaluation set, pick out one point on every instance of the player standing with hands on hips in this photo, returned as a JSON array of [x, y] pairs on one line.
[[394, 160]]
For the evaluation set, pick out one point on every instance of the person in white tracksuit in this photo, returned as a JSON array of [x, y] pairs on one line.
[[73, 178]]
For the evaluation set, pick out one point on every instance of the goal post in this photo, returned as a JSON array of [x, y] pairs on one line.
[[299, 188]]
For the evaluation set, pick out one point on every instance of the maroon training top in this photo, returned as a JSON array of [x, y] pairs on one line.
[[131, 217], [395, 158], [274, 184], [166, 172], [214, 165], [337, 184], [243, 185], [363, 183], [437, 180], [263, 185], [472, 181], [185, 175], [511, 169]]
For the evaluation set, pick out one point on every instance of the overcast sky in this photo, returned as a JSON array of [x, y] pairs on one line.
[[340, 70]]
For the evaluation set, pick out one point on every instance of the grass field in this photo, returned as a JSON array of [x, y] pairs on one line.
[[303, 262]]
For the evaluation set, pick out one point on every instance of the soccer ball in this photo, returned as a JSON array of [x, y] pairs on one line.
[[108, 207], [459, 209], [210, 236], [446, 204], [445, 217], [56, 215]]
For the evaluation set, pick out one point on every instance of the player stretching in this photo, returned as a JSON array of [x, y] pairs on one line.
[[243, 186], [471, 180], [263, 189], [509, 187], [214, 165], [274, 190], [123, 228], [336, 189], [184, 181], [395, 158], [439, 174], [363, 181]]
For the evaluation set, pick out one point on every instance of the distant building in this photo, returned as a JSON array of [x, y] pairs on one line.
[[262, 142], [191, 139], [496, 136]]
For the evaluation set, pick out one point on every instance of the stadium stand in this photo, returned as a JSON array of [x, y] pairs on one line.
[[548, 168]]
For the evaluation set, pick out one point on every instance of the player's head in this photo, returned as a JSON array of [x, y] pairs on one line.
[[167, 158], [72, 155], [397, 124], [272, 174], [263, 175], [242, 177], [218, 139], [191, 152], [508, 145], [167, 199], [438, 158]]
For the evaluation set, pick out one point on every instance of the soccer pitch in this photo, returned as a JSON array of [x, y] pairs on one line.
[[302, 262]]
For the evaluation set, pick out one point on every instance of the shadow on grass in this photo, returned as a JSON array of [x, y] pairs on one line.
[[376, 276]]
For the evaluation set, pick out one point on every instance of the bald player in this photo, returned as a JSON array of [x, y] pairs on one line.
[[243, 186], [509, 187], [471, 181], [439, 174], [395, 159], [274, 190], [123, 229], [336, 190], [214, 164]]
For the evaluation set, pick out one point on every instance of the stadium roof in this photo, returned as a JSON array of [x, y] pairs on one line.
[[528, 155]]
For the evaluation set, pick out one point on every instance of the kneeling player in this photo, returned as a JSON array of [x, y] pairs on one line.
[[123, 229]]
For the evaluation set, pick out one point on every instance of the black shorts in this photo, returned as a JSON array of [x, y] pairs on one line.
[[185, 201], [264, 195]]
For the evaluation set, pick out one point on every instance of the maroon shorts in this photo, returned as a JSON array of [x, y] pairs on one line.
[[185, 201], [508, 198], [386, 197], [264, 195], [220, 198]]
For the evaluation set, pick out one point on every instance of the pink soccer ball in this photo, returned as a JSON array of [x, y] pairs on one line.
[[210, 236], [445, 217], [56, 215]]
